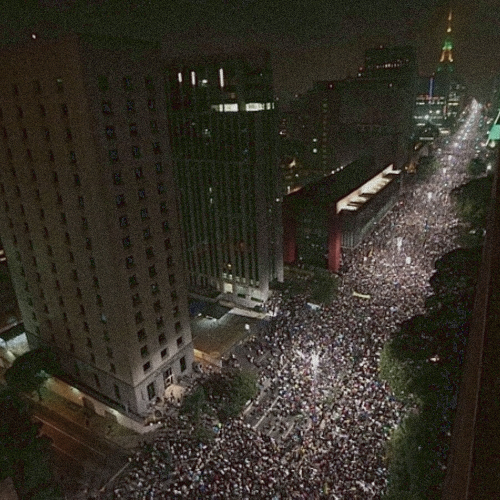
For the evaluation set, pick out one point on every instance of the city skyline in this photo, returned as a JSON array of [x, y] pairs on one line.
[[314, 41]]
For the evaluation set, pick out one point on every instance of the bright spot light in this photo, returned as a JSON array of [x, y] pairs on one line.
[[33, 35]]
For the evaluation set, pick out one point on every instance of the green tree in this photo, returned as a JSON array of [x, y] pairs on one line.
[[473, 200], [476, 167], [30, 371]]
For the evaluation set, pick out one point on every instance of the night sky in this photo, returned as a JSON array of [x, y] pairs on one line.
[[309, 39]]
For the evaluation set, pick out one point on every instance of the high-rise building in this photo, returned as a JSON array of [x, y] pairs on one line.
[[223, 132], [88, 217]]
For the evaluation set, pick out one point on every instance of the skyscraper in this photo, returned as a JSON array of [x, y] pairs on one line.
[[223, 136], [88, 218]]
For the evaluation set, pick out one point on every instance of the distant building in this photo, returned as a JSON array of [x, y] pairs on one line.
[[337, 212], [223, 130], [88, 216]]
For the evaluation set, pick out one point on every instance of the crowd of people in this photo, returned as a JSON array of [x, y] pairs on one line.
[[319, 426]]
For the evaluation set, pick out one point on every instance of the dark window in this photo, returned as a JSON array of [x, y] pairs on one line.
[[69, 135], [117, 389], [112, 368], [37, 87], [88, 243], [76, 178], [133, 129], [144, 351], [79, 293], [42, 110], [154, 126], [156, 148], [106, 107], [129, 262], [110, 132], [152, 271], [60, 85], [178, 327], [141, 335], [159, 322], [46, 133], [146, 367], [132, 281], [157, 306], [139, 318], [155, 288], [96, 378], [138, 173], [82, 309], [168, 244], [150, 253], [159, 168], [120, 200], [126, 242], [72, 157], [19, 112], [144, 214], [85, 223], [63, 218], [123, 221], [50, 252], [165, 225], [102, 83], [95, 279], [164, 353], [162, 338], [146, 233], [175, 312], [51, 155], [55, 177], [163, 207], [15, 90], [29, 155], [152, 104], [136, 151], [182, 363], [136, 300], [64, 109], [161, 188], [171, 279], [24, 134], [117, 178], [151, 388], [74, 275], [92, 262], [81, 202], [127, 83], [180, 341], [130, 106], [141, 193], [148, 81], [170, 261], [71, 257], [113, 155]]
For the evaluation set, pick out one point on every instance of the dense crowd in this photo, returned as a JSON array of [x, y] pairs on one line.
[[319, 425]]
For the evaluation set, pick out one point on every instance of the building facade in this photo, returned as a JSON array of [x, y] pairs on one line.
[[223, 131], [88, 218]]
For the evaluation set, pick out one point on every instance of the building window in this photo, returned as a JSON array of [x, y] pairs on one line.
[[120, 200], [133, 129], [126, 242], [136, 151], [161, 188], [81, 202], [146, 233], [141, 335], [127, 83], [96, 378], [42, 110], [151, 104], [92, 262], [76, 178], [150, 253], [152, 271], [110, 132], [69, 135], [64, 109], [88, 243], [163, 207], [159, 167], [144, 214], [132, 281], [95, 280], [129, 262], [141, 193], [117, 389], [123, 221], [117, 178], [106, 108], [71, 348], [130, 106], [72, 157], [175, 312], [156, 148], [20, 113], [148, 81], [171, 279], [139, 318], [180, 341], [154, 126], [182, 363], [71, 257], [24, 133], [164, 353], [157, 306], [63, 218], [150, 388], [162, 338], [138, 173], [102, 83], [59, 85], [155, 288], [144, 351], [174, 296], [74, 275], [85, 223], [170, 261], [159, 322], [165, 225], [113, 155], [37, 87], [136, 300], [51, 155], [146, 367], [178, 327], [109, 352]]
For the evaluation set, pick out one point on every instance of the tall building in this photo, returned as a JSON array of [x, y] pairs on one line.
[[223, 131], [88, 217]]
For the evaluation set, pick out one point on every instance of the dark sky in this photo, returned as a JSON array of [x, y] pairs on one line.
[[309, 39]]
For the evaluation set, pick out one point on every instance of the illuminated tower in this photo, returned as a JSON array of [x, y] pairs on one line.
[[446, 60]]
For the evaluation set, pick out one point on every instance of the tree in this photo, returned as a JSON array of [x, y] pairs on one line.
[[29, 371], [473, 200], [476, 167]]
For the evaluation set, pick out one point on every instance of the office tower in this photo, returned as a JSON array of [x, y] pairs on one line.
[[88, 217], [390, 63], [223, 133]]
